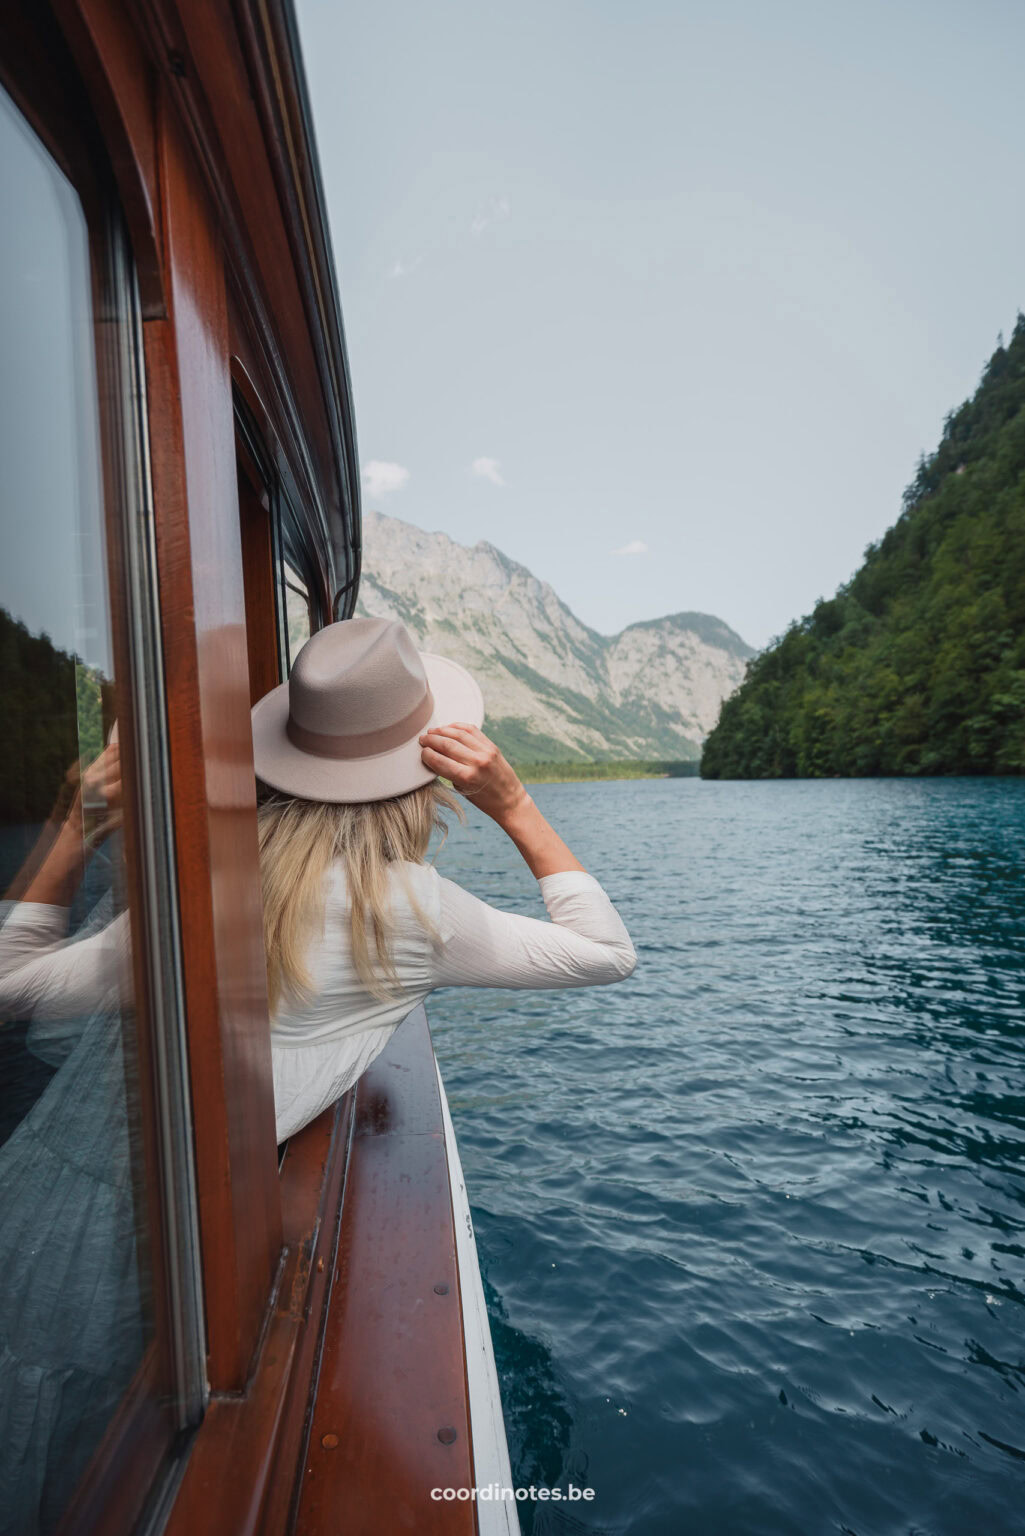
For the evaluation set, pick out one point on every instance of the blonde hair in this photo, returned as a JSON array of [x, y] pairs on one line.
[[300, 839]]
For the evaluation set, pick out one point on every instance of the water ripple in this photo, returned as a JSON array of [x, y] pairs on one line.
[[753, 1223]]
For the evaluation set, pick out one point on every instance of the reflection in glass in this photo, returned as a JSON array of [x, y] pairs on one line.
[[297, 612], [75, 1309]]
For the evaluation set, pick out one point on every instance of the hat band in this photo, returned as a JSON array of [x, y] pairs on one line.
[[366, 743]]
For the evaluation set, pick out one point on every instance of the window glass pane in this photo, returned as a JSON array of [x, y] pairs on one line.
[[76, 1306], [297, 611]]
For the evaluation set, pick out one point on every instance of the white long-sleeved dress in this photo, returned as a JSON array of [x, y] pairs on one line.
[[320, 1047]]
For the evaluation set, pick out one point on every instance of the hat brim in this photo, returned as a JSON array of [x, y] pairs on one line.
[[345, 781]]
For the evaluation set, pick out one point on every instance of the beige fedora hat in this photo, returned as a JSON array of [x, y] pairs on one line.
[[346, 725]]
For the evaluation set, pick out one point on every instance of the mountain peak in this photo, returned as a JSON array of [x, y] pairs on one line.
[[706, 626], [554, 688]]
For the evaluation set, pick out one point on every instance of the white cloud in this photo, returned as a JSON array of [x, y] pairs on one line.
[[493, 212], [487, 469], [635, 547], [381, 478], [401, 268]]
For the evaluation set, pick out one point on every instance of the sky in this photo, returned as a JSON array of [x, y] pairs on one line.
[[666, 300], [52, 576]]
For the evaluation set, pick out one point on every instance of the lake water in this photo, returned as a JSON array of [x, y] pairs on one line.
[[752, 1222]]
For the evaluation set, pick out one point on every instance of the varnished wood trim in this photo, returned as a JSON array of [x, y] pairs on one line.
[[120, 80], [392, 1386], [240, 1475], [193, 457]]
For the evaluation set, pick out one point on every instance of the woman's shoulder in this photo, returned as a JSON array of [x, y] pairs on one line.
[[422, 879], [408, 882], [421, 886], [424, 876]]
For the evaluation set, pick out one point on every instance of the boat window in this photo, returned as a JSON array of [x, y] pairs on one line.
[[100, 1331], [255, 497], [297, 606], [298, 622], [282, 610]]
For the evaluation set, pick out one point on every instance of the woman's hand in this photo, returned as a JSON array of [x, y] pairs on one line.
[[478, 770], [475, 766], [96, 787], [101, 781], [97, 805], [87, 810]]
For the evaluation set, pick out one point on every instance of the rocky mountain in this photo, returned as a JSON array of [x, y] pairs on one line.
[[555, 690]]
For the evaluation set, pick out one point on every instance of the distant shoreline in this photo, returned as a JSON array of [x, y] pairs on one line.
[[578, 773]]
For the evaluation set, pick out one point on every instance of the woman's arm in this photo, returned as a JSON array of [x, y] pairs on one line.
[[463, 754], [44, 975], [586, 942]]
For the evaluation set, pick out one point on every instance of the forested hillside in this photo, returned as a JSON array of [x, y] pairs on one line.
[[52, 709], [917, 665]]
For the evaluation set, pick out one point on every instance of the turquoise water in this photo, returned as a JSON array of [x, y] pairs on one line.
[[752, 1222]]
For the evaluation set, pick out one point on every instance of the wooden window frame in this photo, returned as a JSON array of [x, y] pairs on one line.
[[198, 286], [201, 330]]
